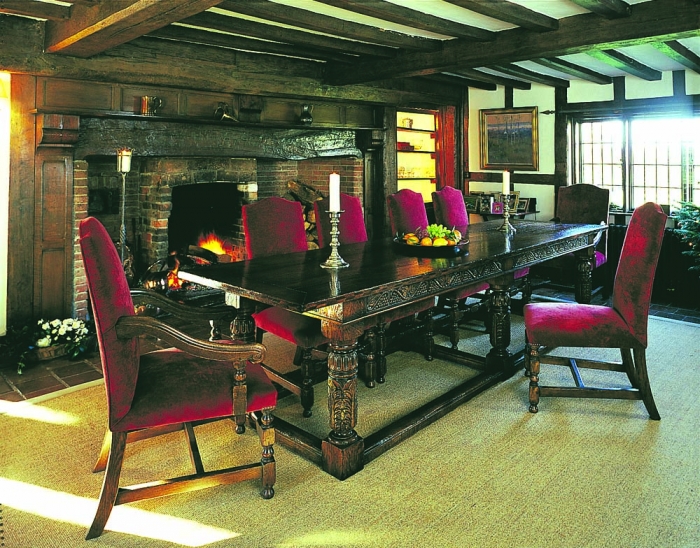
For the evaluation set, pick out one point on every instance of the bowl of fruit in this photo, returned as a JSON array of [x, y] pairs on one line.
[[432, 241]]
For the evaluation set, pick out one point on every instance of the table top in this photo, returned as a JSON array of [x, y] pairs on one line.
[[380, 277]]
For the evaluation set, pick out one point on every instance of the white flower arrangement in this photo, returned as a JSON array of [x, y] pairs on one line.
[[71, 332]]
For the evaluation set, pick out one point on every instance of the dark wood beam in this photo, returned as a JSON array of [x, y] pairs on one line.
[[197, 36], [511, 13], [459, 81], [32, 8], [93, 29], [623, 62], [574, 70], [649, 22], [235, 25], [530, 76], [411, 18], [306, 19], [679, 53], [609, 9], [491, 78]]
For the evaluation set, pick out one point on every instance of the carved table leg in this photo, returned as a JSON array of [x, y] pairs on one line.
[[533, 359], [243, 325], [343, 449], [584, 278], [499, 333]]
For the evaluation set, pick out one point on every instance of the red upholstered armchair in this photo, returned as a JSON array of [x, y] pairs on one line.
[[352, 221], [622, 325], [274, 226], [166, 390], [406, 212]]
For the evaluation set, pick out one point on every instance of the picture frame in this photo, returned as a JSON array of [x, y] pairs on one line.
[[472, 203], [509, 139], [513, 200], [485, 201], [497, 208], [523, 205]]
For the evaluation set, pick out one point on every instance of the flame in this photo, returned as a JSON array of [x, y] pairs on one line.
[[216, 244], [174, 281]]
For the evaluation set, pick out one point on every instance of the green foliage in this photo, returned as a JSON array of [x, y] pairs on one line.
[[15, 346], [688, 219]]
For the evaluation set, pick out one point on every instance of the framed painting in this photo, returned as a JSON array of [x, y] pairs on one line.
[[472, 203], [523, 205], [508, 138]]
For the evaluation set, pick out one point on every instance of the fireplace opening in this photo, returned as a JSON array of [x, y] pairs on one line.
[[207, 216]]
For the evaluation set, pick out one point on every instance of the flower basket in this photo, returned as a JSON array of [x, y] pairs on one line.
[[50, 352]]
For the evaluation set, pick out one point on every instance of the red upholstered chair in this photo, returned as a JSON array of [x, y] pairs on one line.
[[352, 221], [406, 212], [622, 325], [274, 226], [451, 212], [587, 204], [166, 390]]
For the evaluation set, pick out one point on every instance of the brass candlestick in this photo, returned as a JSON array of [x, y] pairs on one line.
[[506, 226], [335, 260]]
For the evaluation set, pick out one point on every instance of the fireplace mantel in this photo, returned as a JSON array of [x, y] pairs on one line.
[[161, 138]]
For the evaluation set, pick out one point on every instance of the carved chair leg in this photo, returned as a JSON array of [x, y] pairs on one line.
[[266, 433], [307, 381], [533, 356], [628, 364], [381, 352], [110, 485], [640, 361], [101, 463]]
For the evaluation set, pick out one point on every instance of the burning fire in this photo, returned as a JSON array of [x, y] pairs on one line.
[[215, 244], [173, 281]]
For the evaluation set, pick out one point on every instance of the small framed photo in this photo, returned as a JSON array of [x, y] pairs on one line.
[[485, 202], [523, 205], [497, 208], [472, 203], [513, 199]]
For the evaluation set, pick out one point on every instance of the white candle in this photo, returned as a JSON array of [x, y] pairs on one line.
[[334, 191], [124, 160], [506, 182]]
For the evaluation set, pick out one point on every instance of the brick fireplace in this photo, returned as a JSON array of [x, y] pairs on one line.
[[149, 195]]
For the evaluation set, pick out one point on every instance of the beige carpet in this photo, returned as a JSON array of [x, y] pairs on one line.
[[581, 473]]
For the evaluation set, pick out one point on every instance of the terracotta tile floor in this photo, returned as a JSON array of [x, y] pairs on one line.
[[57, 374]]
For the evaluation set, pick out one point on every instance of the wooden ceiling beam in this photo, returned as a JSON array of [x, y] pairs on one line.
[[411, 18], [574, 70], [623, 62], [196, 36], [235, 25], [95, 28], [306, 19], [530, 76], [458, 81], [679, 53], [610, 9], [491, 78], [648, 23], [510, 13], [33, 8]]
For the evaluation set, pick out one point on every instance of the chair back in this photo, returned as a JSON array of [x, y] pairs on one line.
[[634, 279], [583, 203], [450, 209], [352, 221], [273, 225], [406, 211], [110, 300]]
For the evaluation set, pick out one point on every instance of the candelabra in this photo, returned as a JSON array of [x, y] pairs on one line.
[[506, 226], [123, 167], [335, 260]]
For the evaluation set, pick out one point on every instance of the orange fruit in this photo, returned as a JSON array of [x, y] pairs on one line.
[[426, 241], [412, 240]]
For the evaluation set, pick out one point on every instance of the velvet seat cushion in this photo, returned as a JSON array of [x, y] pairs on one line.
[[578, 325], [295, 328], [406, 212], [175, 387], [352, 221]]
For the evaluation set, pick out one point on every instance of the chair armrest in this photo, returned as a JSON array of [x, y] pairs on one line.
[[183, 311], [134, 326]]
